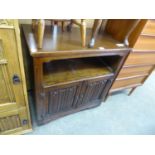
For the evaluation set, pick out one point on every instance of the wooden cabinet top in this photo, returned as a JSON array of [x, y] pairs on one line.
[[66, 43]]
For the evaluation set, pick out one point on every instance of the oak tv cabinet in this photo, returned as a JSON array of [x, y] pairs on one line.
[[69, 78]]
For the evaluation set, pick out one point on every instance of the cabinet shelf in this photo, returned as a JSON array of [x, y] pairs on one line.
[[70, 70]]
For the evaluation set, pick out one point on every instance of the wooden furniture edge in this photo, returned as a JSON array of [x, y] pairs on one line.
[[20, 58], [132, 77], [122, 88]]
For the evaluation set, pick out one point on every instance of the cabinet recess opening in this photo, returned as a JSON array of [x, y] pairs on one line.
[[76, 69]]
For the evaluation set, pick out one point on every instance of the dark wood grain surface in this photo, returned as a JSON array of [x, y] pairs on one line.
[[56, 40], [73, 69], [69, 78]]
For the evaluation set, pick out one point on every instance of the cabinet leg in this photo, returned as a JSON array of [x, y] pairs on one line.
[[105, 99], [40, 33], [131, 91]]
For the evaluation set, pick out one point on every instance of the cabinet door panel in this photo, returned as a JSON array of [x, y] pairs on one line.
[[62, 99], [13, 96], [13, 121], [6, 92], [93, 91], [9, 123]]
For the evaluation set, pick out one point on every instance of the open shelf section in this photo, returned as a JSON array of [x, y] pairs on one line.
[[70, 70]]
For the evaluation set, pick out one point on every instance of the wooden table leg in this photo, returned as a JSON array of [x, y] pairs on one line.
[[34, 22]]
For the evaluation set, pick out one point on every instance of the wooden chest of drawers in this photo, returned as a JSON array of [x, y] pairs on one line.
[[141, 61]]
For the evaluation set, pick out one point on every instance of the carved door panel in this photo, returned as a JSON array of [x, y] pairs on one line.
[[6, 92], [14, 120], [7, 96], [61, 99], [11, 92], [92, 91]]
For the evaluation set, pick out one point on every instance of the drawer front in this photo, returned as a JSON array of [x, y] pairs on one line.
[[127, 82], [145, 42], [149, 28], [134, 71], [138, 58]]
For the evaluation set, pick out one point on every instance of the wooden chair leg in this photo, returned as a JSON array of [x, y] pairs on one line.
[[40, 33], [52, 24], [34, 22], [83, 32], [131, 91], [96, 26], [69, 26], [62, 26]]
